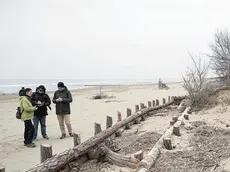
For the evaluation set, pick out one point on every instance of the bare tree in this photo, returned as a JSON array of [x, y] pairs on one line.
[[220, 56], [195, 81]]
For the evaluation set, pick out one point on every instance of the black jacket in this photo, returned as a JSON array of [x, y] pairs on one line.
[[63, 108], [42, 111]]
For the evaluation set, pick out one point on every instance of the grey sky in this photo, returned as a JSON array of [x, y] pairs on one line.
[[105, 39]]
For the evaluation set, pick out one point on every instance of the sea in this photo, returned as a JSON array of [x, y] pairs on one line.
[[14, 85]]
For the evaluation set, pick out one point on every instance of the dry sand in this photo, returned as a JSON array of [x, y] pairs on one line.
[[85, 112]]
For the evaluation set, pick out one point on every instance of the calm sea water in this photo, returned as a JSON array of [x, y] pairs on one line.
[[14, 85]]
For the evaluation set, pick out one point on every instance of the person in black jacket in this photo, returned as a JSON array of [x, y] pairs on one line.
[[42, 101], [62, 98]]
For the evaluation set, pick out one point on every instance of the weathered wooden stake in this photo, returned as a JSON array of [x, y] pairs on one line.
[[129, 113], [169, 98], [142, 106], [46, 152], [97, 128], [157, 102], [76, 139], [2, 168], [154, 103], [167, 143], [138, 120], [119, 118], [139, 155], [176, 129], [186, 116], [109, 121], [174, 118], [149, 104], [163, 101], [172, 123]]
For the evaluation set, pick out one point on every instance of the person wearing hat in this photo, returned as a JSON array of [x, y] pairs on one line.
[[62, 98], [42, 101]]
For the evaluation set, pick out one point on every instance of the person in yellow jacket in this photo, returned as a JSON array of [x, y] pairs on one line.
[[27, 111]]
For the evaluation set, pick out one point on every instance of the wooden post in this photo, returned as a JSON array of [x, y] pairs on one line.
[[149, 104], [97, 128], [139, 155], [186, 116], [119, 118], [169, 98], [172, 123], [76, 139], [109, 121], [163, 101], [176, 128], [46, 152], [142, 106], [137, 121], [129, 113], [174, 118], [167, 143], [157, 102], [2, 168], [154, 103]]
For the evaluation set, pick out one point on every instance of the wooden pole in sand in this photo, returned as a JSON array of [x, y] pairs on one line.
[[109, 121], [97, 128], [119, 118], [137, 121], [154, 103], [76, 139], [129, 113], [169, 98], [167, 143], [142, 106], [46, 152], [157, 102], [163, 101], [2, 168], [149, 104]]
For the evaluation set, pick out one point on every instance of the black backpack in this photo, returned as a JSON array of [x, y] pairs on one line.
[[19, 113]]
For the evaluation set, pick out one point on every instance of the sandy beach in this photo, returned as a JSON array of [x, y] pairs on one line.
[[15, 157]]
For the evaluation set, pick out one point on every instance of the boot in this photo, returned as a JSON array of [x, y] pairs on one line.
[[63, 136], [71, 134]]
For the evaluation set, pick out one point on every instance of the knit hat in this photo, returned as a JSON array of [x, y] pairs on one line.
[[61, 85]]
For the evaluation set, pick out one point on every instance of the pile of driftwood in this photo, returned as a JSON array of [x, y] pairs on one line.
[[100, 146]]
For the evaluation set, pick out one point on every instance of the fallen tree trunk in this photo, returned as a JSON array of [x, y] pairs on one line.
[[60, 160], [149, 161], [118, 159]]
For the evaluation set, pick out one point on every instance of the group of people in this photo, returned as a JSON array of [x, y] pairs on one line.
[[34, 106]]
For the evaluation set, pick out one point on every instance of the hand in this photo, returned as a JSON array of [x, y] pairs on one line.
[[59, 100], [39, 102], [35, 108]]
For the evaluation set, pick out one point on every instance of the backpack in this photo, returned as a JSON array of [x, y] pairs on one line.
[[19, 113]]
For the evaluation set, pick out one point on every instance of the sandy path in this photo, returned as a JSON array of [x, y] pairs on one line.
[[84, 113]]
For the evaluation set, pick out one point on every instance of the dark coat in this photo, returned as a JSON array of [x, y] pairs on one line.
[[42, 111], [63, 108]]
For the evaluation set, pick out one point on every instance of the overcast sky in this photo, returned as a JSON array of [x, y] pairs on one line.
[[105, 39]]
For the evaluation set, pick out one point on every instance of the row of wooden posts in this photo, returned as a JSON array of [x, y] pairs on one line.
[[46, 149]]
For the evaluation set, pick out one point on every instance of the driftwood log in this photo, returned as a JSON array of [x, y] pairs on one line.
[[149, 161], [59, 160], [118, 159]]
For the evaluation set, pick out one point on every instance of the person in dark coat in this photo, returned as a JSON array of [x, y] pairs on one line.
[[62, 98], [42, 101]]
